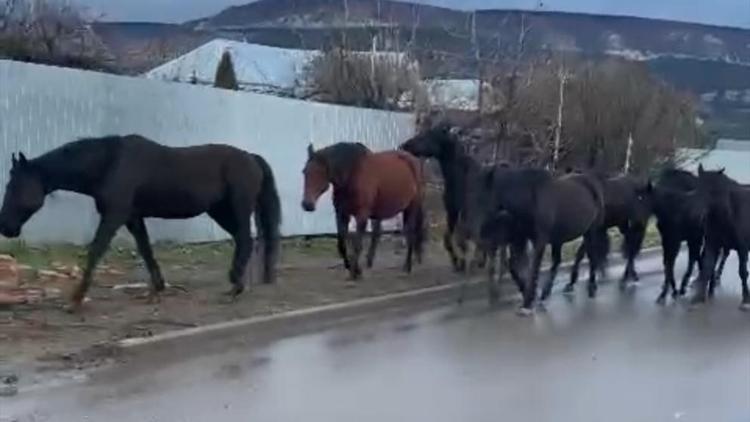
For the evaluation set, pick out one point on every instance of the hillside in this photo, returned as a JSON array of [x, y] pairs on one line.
[[712, 62]]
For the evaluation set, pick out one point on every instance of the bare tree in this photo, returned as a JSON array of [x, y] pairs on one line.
[[383, 80], [52, 31]]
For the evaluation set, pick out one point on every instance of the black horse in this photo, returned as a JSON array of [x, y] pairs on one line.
[[725, 206], [461, 181], [131, 178], [674, 201], [627, 207], [533, 205]]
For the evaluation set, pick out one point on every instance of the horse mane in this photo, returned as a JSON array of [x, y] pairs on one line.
[[84, 158], [678, 178], [342, 158]]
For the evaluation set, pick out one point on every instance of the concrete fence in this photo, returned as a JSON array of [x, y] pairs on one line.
[[43, 107]]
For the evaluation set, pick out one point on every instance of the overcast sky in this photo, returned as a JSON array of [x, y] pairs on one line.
[[721, 12]]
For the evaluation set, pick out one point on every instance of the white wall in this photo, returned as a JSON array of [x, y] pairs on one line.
[[43, 107]]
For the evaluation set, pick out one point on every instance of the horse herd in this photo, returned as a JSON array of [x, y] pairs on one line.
[[490, 210]]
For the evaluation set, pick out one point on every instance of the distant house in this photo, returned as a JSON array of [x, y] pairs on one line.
[[258, 68]]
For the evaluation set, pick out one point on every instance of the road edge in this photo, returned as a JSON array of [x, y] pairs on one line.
[[433, 294]]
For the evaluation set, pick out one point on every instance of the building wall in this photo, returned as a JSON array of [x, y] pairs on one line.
[[43, 107]]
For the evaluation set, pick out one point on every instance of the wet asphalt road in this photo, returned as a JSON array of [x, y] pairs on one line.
[[618, 358]]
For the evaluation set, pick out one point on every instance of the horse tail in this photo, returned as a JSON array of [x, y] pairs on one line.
[[420, 230], [594, 187], [268, 219]]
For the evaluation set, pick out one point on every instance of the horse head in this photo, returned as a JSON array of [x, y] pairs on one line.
[[714, 188], [24, 196], [317, 178], [435, 142]]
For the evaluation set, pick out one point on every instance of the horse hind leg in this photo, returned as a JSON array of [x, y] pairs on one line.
[[596, 252], [742, 256], [580, 252], [239, 229], [556, 258], [355, 271], [377, 229]]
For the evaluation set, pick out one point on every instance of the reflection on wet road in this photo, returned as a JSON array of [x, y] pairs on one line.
[[618, 358]]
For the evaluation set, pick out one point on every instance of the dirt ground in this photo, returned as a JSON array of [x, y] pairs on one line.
[[310, 274]]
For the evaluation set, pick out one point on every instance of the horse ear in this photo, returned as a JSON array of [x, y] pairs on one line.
[[13, 160], [700, 169], [22, 159], [721, 171], [310, 150]]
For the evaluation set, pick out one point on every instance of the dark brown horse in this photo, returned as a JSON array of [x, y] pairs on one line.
[[461, 184], [628, 207], [131, 178], [367, 186], [533, 205]]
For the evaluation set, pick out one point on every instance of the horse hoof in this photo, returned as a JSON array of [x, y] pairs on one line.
[[525, 312], [745, 307], [73, 308], [542, 306], [661, 300], [153, 298], [234, 292], [592, 293], [569, 289]]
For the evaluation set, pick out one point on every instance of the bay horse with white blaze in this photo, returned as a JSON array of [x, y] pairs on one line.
[[131, 178], [367, 186]]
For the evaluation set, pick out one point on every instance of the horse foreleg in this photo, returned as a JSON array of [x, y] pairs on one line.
[[633, 241], [518, 259], [742, 258], [243, 246], [448, 240], [556, 258], [342, 230], [670, 248], [104, 233], [530, 293], [137, 228], [355, 271], [694, 256], [493, 291], [707, 268], [716, 281], [377, 229], [580, 252]]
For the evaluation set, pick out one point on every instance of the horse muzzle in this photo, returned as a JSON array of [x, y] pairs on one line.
[[308, 206], [9, 232]]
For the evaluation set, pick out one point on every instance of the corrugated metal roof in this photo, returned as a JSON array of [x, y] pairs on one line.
[[258, 68]]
